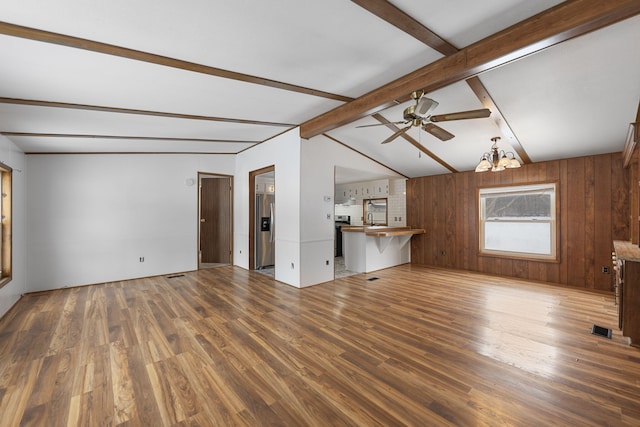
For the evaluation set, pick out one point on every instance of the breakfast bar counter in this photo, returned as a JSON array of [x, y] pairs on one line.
[[370, 248]]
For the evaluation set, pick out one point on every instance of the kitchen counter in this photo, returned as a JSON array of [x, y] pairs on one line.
[[382, 230], [370, 248], [626, 250]]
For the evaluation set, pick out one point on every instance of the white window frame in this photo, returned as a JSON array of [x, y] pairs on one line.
[[548, 254]]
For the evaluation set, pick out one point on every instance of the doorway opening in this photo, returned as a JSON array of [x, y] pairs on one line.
[[347, 211], [262, 220], [215, 220]]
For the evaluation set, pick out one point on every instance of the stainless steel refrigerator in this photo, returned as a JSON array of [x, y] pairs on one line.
[[265, 243]]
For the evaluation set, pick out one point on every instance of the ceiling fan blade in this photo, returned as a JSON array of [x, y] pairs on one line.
[[425, 106], [472, 114], [438, 132], [396, 134], [382, 124]]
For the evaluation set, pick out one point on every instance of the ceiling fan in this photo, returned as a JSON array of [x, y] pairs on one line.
[[418, 115]]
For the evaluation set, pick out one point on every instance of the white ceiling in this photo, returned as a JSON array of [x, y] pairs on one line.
[[576, 98]]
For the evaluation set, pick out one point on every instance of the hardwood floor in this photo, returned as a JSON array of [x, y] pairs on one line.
[[226, 346]]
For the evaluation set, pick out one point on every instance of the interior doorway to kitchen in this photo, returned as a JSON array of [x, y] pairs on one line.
[[262, 220], [215, 220], [346, 212]]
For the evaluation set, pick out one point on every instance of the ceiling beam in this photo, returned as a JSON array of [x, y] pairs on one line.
[[171, 153], [413, 142], [123, 52], [487, 102], [86, 107], [141, 138], [398, 18], [395, 16], [548, 28]]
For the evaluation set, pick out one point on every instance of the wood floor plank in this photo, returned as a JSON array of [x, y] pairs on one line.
[[228, 347], [17, 395]]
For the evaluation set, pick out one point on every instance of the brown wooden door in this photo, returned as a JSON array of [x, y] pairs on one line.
[[215, 220]]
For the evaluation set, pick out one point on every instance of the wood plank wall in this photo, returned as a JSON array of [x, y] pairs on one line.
[[594, 211]]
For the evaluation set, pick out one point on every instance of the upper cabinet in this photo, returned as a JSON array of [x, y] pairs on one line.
[[361, 190], [265, 185], [342, 193], [381, 187]]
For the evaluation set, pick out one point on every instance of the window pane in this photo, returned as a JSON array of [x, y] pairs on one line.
[[528, 237], [518, 221], [518, 206]]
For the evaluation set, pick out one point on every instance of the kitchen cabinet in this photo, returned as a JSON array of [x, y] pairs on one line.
[[361, 190], [342, 194], [381, 187], [265, 186], [368, 189], [626, 259]]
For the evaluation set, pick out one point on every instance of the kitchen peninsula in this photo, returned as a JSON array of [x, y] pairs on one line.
[[370, 248]]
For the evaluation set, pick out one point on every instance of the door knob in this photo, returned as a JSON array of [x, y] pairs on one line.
[[202, 220]]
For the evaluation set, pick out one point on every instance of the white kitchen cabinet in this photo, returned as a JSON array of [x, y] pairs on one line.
[[361, 190], [368, 189], [342, 194], [381, 187], [265, 186], [355, 190]]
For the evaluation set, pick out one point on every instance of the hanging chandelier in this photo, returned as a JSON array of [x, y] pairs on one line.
[[497, 161]]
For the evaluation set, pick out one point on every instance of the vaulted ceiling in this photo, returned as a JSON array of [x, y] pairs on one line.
[[560, 78]]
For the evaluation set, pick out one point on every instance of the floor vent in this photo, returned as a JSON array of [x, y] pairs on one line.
[[175, 275], [601, 331], [371, 279]]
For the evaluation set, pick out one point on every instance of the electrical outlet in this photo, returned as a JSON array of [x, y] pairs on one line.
[[292, 266], [605, 269], [326, 262], [141, 259]]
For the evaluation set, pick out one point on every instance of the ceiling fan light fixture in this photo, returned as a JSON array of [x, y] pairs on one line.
[[425, 106], [419, 115]]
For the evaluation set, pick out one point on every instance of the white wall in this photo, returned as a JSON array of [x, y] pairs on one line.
[[304, 176], [319, 157], [283, 152], [11, 156], [91, 217]]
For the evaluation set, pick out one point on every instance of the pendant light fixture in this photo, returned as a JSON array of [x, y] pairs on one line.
[[497, 161]]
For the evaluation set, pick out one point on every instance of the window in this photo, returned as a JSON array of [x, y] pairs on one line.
[[5, 224], [519, 221]]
